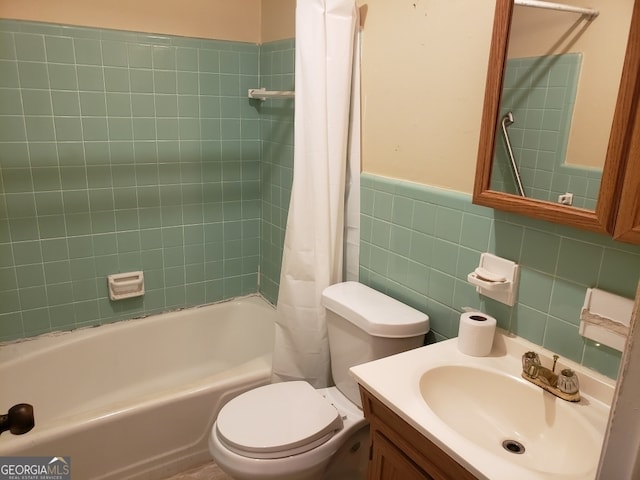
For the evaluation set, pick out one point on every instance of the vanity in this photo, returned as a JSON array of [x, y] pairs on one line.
[[400, 451], [436, 413]]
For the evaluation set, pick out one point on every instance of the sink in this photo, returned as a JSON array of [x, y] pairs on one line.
[[484, 415], [512, 419]]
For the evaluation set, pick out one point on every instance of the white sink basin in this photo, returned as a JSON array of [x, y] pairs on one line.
[[469, 406], [512, 419]]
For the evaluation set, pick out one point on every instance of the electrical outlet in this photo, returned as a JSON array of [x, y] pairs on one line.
[[566, 199]]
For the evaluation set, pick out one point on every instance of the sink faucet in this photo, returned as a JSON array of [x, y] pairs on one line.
[[564, 385]]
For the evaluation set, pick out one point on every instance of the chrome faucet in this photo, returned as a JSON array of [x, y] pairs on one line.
[[564, 385]]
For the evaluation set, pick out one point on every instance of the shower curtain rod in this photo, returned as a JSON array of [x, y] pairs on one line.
[[589, 12], [263, 93]]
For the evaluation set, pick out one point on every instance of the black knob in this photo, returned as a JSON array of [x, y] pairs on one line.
[[18, 420]]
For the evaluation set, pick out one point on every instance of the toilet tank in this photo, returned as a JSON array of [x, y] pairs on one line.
[[365, 325]]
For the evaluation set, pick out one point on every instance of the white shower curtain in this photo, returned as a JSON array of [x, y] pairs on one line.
[[313, 247]]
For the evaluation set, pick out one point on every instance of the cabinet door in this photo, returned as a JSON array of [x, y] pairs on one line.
[[627, 227], [389, 463], [627, 219]]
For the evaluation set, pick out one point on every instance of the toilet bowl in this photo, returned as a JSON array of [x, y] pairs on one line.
[[304, 444], [291, 431]]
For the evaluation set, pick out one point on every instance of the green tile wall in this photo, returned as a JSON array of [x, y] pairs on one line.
[[541, 91], [122, 151], [276, 120], [418, 243]]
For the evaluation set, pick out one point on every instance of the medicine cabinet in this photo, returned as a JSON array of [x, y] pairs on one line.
[[616, 203]]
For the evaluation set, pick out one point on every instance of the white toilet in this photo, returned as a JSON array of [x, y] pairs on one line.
[[291, 430]]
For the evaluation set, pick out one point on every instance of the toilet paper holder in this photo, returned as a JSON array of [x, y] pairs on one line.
[[496, 278]]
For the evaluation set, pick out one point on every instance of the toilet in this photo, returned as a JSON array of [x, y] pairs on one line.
[[292, 431]]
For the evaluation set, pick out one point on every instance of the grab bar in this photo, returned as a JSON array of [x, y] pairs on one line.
[[506, 121]]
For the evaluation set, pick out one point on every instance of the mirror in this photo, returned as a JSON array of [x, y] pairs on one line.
[[559, 92], [529, 48]]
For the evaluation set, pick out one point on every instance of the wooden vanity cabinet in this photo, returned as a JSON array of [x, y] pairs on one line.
[[400, 452], [388, 462]]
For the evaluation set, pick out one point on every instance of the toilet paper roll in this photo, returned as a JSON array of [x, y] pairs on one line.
[[475, 335]]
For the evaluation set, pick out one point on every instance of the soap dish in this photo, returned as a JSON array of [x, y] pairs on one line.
[[481, 277], [496, 278]]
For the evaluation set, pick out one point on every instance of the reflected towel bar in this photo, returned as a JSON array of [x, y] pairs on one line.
[[561, 7]]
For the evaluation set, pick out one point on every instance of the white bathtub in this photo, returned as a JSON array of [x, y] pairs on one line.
[[136, 399]]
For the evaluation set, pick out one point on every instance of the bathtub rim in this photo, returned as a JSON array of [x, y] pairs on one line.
[[13, 351]]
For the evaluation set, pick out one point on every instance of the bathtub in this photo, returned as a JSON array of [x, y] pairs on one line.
[[136, 399]]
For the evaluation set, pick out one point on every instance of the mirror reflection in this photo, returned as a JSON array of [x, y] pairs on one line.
[[560, 86]]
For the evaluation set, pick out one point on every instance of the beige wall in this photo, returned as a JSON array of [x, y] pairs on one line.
[[219, 19], [424, 64], [254, 21], [603, 41], [278, 20]]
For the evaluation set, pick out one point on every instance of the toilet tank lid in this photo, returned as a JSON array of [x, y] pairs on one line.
[[374, 312]]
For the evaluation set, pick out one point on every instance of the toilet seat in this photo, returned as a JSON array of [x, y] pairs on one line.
[[277, 421]]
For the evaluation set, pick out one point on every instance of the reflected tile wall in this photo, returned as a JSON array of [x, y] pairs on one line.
[[540, 92]]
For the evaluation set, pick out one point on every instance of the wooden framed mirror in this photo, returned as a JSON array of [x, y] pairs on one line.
[[602, 217]]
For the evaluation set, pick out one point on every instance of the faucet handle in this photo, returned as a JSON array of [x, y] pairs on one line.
[[568, 381], [530, 363]]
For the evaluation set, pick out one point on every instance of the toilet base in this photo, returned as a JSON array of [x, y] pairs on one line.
[[342, 457], [350, 461]]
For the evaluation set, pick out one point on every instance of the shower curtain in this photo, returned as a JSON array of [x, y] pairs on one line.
[[314, 238]]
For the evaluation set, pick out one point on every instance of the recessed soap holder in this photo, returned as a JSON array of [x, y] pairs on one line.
[[125, 285], [496, 278]]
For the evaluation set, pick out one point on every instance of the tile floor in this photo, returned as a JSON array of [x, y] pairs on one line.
[[209, 471]]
